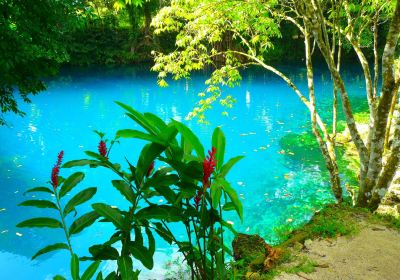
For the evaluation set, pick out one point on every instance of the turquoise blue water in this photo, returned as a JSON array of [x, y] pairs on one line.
[[275, 189]]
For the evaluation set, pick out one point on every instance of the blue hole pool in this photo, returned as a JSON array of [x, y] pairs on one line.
[[277, 188]]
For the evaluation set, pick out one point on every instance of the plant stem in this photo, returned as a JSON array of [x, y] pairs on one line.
[[222, 236], [63, 223]]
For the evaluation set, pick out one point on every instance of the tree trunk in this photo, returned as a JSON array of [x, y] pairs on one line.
[[326, 145]]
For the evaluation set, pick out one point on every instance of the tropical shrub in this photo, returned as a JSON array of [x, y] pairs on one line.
[[189, 189]]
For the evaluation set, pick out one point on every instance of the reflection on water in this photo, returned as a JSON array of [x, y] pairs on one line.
[[274, 186]]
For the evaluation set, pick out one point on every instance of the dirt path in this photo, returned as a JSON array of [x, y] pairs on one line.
[[372, 254]]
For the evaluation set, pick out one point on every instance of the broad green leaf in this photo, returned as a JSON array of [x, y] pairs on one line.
[[162, 180], [59, 277], [160, 212], [70, 183], [155, 121], [233, 196], [125, 190], [147, 156], [163, 232], [138, 118], [80, 162], [75, 267], [41, 222], [228, 206], [83, 222], [141, 253], [96, 156], [125, 267], [50, 248], [191, 137], [39, 189], [138, 235], [131, 133], [218, 142], [99, 276], [78, 199], [104, 252], [90, 271], [39, 204], [187, 148], [167, 193], [228, 166], [111, 214], [152, 242], [216, 192], [111, 276]]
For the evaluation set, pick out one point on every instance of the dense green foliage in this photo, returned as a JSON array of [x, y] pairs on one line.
[[190, 188], [31, 46]]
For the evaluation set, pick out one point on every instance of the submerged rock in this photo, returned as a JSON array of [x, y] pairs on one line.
[[253, 252]]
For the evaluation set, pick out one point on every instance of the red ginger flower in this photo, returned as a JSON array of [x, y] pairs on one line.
[[209, 164], [102, 148], [56, 170], [198, 198], [208, 167]]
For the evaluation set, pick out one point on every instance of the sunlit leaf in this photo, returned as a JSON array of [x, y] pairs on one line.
[[70, 183], [75, 267], [78, 199], [218, 142], [50, 248], [83, 222], [110, 214], [41, 222], [39, 204]]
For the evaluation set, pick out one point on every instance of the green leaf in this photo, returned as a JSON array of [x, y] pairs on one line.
[[147, 156], [160, 212], [162, 180], [155, 121], [104, 252], [39, 204], [59, 277], [228, 166], [125, 267], [152, 241], [141, 253], [216, 192], [83, 222], [163, 232], [75, 267], [218, 142], [90, 271], [79, 198], [96, 156], [50, 248], [41, 222], [233, 196], [70, 183], [228, 206], [138, 118], [111, 214], [191, 138], [111, 276], [131, 133], [80, 162], [99, 276], [125, 190], [39, 189]]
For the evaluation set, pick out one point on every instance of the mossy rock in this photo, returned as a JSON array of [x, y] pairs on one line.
[[254, 253]]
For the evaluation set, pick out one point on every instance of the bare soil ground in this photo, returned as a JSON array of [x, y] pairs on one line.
[[372, 254]]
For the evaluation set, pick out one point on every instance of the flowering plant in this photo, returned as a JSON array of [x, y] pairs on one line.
[[190, 188]]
